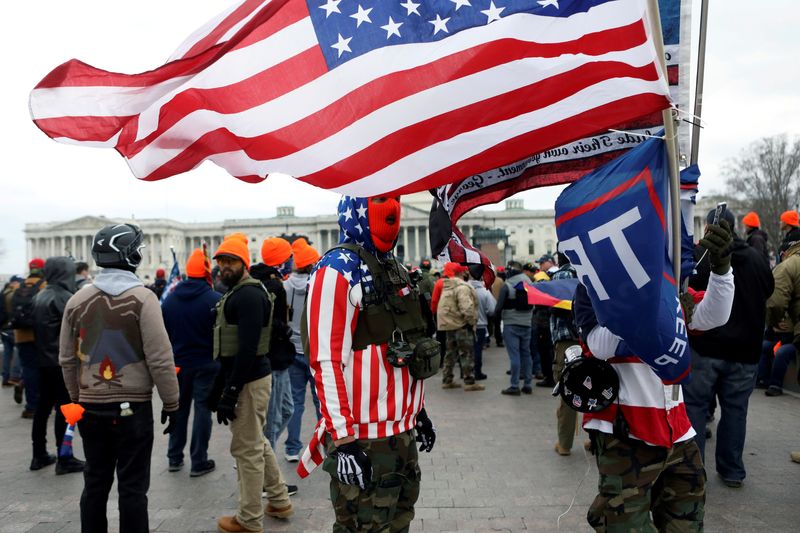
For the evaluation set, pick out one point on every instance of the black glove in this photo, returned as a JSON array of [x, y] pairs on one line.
[[718, 240], [426, 432], [227, 405], [169, 418], [687, 303], [353, 466]]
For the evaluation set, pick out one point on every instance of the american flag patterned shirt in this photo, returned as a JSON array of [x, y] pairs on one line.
[[360, 393]]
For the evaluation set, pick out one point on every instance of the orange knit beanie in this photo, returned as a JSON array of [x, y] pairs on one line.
[[275, 251], [198, 265]]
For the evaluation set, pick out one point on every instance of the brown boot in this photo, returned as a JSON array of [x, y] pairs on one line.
[[474, 387], [229, 524], [278, 512], [451, 385], [562, 451]]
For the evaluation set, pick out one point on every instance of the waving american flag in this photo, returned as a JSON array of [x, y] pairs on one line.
[[367, 97]]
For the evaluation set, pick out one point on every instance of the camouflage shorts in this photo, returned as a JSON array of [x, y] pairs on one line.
[[461, 347], [637, 479], [388, 503]]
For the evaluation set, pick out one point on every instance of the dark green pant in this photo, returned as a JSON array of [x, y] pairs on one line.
[[637, 479], [387, 506]]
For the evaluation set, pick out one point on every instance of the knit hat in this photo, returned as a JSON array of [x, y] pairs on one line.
[[275, 251], [235, 246], [304, 253], [238, 235], [790, 218], [198, 265], [36, 264], [751, 220]]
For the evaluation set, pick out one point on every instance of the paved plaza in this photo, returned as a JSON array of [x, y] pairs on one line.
[[493, 469]]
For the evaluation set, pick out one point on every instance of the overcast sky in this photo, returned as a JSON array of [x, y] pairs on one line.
[[752, 80]]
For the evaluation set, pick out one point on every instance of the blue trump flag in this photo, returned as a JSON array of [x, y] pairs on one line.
[[613, 226]]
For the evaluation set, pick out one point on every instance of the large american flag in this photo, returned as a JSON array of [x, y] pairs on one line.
[[359, 392], [367, 97]]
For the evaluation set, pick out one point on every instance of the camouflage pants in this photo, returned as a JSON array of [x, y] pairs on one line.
[[387, 506], [461, 346], [637, 479], [566, 418]]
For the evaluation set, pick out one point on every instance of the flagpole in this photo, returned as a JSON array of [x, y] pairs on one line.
[[671, 139], [698, 92]]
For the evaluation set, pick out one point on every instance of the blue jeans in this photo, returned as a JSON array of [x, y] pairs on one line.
[[732, 383], [518, 345], [195, 386], [536, 359], [28, 359], [783, 358], [11, 367], [480, 341], [281, 406], [300, 376]]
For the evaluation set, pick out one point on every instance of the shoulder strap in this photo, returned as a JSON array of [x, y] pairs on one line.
[[375, 267]]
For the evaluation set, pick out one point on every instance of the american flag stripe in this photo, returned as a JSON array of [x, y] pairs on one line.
[[348, 92], [171, 129], [219, 29], [392, 88]]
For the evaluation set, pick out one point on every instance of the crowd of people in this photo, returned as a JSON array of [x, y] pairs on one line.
[[244, 343]]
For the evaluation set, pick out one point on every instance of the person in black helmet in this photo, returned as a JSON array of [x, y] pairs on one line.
[[113, 348]]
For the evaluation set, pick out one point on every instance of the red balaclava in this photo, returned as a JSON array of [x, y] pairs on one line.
[[383, 214]]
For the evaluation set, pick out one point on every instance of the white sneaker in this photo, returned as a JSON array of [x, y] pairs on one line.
[[293, 458]]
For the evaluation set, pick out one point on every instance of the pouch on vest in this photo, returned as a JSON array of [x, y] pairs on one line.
[[427, 358]]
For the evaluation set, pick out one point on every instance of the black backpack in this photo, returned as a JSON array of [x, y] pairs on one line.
[[22, 305]]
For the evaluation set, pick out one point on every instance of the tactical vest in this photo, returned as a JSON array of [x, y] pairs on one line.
[[226, 336], [393, 306]]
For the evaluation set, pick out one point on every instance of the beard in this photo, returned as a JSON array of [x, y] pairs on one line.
[[231, 276]]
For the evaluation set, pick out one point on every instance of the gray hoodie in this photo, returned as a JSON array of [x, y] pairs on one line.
[[296, 286], [486, 303]]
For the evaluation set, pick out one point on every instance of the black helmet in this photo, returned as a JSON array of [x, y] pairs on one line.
[[588, 384], [118, 246]]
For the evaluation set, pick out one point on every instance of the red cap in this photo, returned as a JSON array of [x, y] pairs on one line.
[[160, 273], [36, 263]]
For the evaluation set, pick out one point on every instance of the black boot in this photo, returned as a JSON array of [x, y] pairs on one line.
[[37, 463], [68, 465]]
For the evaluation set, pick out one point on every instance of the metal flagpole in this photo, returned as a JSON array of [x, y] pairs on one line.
[[671, 140], [698, 93]]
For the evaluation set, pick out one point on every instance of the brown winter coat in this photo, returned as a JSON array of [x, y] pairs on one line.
[[458, 305], [786, 297]]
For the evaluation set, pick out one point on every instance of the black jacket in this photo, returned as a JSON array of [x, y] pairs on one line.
[[249, 309], [740, 339], [757, 239], [48, 308]]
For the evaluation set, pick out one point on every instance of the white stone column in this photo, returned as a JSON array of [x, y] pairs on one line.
[[406, 247], [417, 256]]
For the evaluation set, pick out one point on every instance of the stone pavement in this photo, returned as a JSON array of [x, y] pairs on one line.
[[493, 469]]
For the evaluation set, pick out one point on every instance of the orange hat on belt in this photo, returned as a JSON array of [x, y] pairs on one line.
[[235, 246], [198, 265], [790, 218], [304, 253], [275, 251], [751, 219]]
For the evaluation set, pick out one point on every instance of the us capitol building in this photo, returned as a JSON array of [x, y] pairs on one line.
[[514, 232]]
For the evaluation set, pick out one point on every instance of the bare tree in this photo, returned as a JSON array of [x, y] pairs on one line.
[[765, 179]]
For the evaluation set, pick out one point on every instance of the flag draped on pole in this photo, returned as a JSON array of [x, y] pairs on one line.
[[398, 97], [571, 161], [174, 278], [613, 225]]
